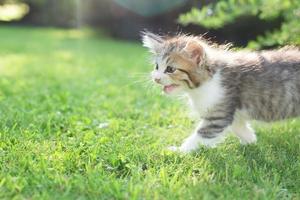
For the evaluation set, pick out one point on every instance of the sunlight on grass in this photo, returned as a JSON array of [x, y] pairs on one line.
[[10, 12], [64, 55], [73, 33], [13, 64]]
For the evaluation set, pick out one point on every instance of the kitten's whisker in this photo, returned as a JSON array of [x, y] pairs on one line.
[[143, 79]]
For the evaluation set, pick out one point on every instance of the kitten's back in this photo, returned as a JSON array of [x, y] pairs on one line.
[[269, 87]]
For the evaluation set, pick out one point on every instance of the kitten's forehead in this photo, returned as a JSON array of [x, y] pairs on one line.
[[161, 60], [172, 46]]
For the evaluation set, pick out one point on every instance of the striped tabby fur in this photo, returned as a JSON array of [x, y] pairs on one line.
[[227, 88]]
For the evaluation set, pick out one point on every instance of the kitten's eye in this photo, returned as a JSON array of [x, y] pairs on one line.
[[156, 67], [170, 69]]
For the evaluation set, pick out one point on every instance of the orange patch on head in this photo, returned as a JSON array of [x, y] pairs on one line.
[[187, 70]]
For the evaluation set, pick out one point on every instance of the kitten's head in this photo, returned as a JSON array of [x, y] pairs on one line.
[[179, 62]]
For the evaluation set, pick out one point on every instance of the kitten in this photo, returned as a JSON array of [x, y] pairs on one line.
[[227, 88]]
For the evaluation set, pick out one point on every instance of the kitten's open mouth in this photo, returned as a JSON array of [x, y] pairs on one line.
[[170, 88]]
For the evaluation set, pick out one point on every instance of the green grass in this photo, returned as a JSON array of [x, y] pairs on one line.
[[57, 89]]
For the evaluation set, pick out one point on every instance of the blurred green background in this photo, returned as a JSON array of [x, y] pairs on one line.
[[253, 23]]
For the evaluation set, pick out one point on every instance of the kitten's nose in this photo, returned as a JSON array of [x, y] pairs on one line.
[[157, 80]]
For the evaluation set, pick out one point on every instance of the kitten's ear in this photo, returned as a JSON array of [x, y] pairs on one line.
[[195, 51], [152, 41]]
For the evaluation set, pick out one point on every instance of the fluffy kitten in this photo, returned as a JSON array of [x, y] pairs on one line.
[[227, 88]]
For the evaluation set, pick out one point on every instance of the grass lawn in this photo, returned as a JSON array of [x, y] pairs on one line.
[[78, 121]]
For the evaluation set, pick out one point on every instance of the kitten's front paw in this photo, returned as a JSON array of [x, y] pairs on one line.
[[187, 149], [190, 144], [173, 148], [181, 149], [249, 139]]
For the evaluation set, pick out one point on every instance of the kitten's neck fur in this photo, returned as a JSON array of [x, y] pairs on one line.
[[206, 95]]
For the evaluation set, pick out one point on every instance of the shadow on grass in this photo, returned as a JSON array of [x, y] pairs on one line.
[[271, 163]]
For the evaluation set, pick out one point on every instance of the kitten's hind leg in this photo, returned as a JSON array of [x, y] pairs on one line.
[[244, 132]]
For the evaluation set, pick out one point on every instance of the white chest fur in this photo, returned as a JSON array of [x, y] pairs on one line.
[[203, 98]]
